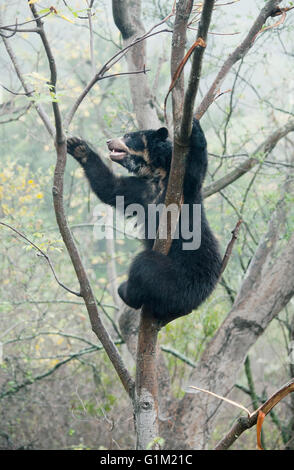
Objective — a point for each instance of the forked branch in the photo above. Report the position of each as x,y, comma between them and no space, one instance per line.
248,422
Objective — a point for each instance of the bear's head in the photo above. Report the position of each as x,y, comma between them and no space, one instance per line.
143,153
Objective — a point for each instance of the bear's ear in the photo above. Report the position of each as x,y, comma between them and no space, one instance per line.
162,133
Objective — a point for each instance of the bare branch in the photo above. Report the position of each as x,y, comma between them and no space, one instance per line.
230,247
13,389
264,149
89,12
259,262
43,115
178,355
15,92
100,74
22,112
246,423
18,30
129,321
16,24
268,10
180,69
52,84
191,92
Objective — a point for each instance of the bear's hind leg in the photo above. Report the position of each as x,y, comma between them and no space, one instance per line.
155,282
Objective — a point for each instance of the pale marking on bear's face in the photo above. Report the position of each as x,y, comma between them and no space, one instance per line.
140,153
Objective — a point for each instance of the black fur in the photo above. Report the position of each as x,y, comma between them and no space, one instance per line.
170,286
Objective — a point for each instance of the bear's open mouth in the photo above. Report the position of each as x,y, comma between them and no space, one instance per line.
118,149
117,154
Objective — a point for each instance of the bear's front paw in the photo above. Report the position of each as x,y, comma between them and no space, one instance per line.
78,149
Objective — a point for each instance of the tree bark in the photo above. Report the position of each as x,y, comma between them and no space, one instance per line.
129,322
146,391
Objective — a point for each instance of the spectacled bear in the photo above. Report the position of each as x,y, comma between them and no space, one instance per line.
173,285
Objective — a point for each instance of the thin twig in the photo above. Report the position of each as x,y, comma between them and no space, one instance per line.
42,253
227,400
100,74
236,55
53,72
230,246
177,74
16,24
265,148
40,110
17,93
12,119
178,355
17,387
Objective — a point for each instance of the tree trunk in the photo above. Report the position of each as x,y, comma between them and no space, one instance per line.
127,17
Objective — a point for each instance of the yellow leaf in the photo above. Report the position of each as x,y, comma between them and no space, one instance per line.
67,19
32,1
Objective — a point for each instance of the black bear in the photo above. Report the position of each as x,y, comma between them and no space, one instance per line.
173,285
